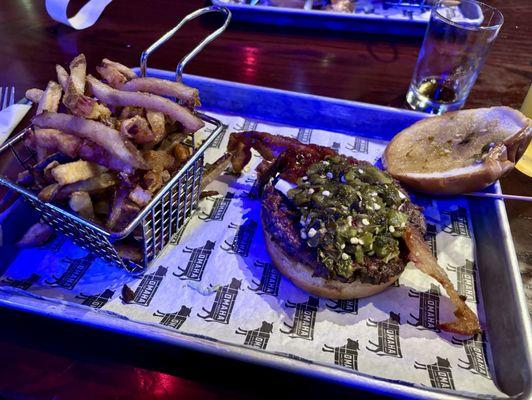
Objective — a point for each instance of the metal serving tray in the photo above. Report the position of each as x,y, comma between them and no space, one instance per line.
508,323
402,24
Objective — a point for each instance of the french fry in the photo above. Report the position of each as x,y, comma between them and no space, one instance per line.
36,235
62,76
50,98
54,140
127,72
92,185
140,196
137,129
34,95
114,97
75,171
164,87
81,203
97,132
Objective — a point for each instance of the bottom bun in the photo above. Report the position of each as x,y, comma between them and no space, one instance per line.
301,275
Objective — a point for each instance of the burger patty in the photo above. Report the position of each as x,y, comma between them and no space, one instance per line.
280,219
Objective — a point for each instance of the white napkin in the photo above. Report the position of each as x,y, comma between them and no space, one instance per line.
10,118
85,17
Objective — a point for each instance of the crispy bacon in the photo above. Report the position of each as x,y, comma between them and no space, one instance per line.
296,161
466,322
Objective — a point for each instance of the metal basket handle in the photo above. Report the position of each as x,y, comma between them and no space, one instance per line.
179,70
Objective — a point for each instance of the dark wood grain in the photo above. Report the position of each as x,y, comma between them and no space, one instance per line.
49,359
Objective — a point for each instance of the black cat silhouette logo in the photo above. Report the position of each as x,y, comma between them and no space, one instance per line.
346,355
242,240
174,320
304,135
343,306
336,146
197,262
360,145
148,286
429,309
388,336
269,280
440,374
23,284
224,302
430,238
219,138
465,276
176,239
475,352
247,125
75,271
96,300
219,208
458,225
257,337
304,319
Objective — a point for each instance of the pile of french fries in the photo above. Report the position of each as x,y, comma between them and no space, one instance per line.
106,146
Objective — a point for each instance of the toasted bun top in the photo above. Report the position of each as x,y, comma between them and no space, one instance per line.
469,149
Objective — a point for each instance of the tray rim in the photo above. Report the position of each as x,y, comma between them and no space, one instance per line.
356,380
313,13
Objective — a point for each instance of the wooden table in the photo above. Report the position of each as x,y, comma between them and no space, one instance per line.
50,359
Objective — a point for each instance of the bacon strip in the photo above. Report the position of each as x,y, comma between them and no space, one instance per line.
164,87
111,96
97,132
466,322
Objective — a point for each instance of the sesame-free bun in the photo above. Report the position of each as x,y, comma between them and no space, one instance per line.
301,275
460,151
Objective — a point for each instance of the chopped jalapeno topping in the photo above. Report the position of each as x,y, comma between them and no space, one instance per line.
349,212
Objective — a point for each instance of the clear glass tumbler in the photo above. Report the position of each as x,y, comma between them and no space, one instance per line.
458,37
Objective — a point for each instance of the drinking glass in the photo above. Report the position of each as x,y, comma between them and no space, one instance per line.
458,37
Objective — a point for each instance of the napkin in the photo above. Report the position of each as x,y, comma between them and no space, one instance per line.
10,118
86,16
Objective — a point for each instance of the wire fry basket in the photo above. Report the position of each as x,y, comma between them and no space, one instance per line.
168,211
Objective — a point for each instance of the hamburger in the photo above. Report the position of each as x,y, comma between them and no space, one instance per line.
338,227
337,232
